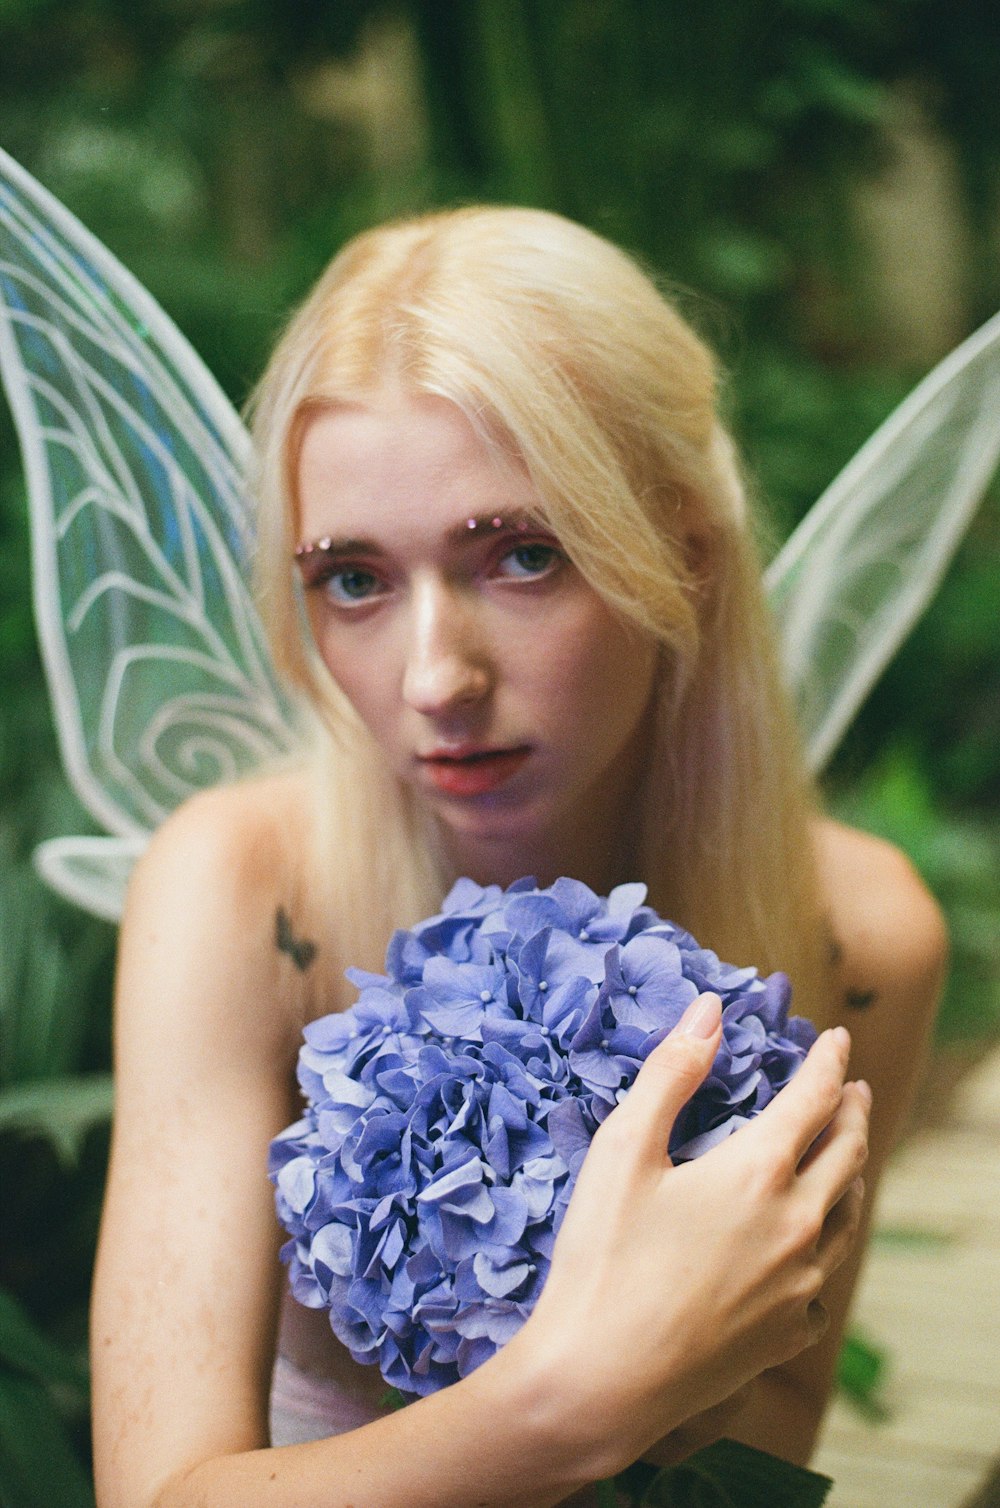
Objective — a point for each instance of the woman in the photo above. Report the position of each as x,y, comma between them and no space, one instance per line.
537,644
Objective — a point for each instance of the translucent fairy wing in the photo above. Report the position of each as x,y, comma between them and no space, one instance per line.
141,530
855,575
91,872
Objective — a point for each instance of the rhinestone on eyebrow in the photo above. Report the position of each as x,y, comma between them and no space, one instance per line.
310,545
497,522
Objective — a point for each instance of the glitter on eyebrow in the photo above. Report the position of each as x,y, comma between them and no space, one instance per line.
515,521
522,525
309,546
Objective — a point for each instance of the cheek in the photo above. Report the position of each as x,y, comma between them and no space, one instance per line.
599,667
360,668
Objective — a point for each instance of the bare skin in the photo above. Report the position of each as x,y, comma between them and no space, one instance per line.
436,638
468,659
893,947
206,1040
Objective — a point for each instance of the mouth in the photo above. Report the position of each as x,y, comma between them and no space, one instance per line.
472,771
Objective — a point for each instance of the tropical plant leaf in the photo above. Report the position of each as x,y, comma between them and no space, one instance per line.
861,1370
37,1037
911,1238
38,1465
730,1475
61,1110
24,1349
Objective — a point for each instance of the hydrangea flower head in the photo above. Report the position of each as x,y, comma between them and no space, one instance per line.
450,1108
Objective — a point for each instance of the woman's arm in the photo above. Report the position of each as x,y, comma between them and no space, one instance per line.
698,1278
643,1322
187,1275
637,1326
891,958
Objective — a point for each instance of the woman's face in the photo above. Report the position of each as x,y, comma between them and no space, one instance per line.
498,683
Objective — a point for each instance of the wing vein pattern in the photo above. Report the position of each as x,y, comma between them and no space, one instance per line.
143,533
142,536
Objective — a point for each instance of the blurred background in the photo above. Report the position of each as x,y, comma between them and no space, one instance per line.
819,181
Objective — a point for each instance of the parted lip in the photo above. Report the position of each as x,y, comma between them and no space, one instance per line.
462,753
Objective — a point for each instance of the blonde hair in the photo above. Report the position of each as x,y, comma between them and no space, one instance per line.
562,353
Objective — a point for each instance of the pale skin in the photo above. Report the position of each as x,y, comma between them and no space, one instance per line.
457,644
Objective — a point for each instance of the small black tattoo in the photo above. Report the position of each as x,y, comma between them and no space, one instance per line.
860,1000
299,949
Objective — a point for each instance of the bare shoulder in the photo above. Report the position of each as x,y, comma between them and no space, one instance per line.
889,948
207,1025
210,916
886,925
234,833
227,857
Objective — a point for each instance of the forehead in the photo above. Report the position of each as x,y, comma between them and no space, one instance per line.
409,465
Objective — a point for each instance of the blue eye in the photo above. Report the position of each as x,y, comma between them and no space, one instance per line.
527,561
352,585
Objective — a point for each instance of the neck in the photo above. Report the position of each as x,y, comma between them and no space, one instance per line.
598,852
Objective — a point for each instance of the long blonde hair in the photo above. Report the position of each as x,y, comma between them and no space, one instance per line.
562,352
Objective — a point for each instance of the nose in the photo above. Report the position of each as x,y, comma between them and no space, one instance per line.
447,660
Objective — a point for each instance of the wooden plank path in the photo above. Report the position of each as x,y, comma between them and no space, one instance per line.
930,1296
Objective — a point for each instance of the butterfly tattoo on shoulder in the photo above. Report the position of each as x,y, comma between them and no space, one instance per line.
299,949
854,999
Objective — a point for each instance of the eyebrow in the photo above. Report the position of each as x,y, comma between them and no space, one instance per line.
515,521
474,528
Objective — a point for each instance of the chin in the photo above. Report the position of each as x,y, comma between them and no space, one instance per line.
494,815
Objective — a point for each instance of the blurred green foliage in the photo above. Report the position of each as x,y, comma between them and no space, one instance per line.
861,1371
224,150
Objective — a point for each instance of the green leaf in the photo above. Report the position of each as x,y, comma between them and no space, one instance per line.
392,1398
861,1369
910,1238
853,96
605,1494
33,979
25,1350
739,262
61,1110
38,1465
730,1475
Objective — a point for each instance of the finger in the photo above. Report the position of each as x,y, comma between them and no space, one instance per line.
840,1229
669,1077
838,1157
797,1116
818,1319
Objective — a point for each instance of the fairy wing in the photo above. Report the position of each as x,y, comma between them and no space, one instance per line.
141,539
859,570
160,679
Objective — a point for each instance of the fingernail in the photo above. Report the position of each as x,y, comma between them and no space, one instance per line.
865,1090
843,1038
702,1017
859,1187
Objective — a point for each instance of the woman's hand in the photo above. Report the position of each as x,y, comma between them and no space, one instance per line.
671,1288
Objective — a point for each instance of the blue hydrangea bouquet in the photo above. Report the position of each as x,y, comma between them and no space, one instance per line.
449,1109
